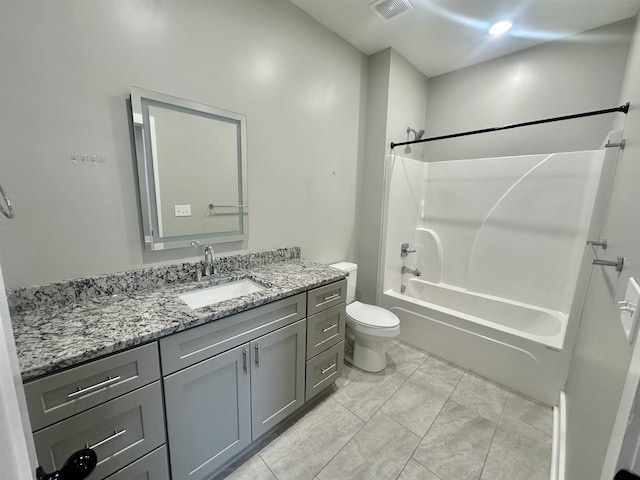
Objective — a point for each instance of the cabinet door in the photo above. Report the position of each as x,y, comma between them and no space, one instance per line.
277,376
208,413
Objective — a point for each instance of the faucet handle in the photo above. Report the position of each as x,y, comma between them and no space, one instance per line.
404,250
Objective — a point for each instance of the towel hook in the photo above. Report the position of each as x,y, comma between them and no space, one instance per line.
9,212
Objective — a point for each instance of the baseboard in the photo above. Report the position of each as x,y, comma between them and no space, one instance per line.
559,445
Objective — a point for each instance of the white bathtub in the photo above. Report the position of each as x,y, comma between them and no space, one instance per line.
514,344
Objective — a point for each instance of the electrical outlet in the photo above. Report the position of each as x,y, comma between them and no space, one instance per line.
182,210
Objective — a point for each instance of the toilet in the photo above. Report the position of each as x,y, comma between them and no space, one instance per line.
369,328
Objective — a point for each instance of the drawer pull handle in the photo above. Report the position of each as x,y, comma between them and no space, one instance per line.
244,360
331,297
115,435
325,370
97,386
330,327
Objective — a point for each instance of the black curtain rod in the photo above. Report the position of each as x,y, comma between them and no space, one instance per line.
622,108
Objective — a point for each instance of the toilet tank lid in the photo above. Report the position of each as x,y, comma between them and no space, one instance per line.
345,266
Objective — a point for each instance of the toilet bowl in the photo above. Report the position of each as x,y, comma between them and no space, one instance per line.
369,328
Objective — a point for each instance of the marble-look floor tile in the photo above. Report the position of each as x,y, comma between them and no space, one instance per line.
443,375
253,469
367,392
414,471
530,412
378,451
404,358
417,403
480,396
518,452
457,443
301,451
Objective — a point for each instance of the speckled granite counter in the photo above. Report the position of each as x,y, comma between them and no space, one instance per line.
53,335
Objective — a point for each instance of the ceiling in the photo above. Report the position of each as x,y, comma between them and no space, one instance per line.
439,36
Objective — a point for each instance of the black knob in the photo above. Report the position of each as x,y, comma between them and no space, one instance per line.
77,467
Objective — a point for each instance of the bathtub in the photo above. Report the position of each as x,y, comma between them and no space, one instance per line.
514,344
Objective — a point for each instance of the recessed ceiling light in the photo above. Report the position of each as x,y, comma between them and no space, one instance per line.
498,28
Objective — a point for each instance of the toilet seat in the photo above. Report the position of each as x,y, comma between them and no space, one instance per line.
372,320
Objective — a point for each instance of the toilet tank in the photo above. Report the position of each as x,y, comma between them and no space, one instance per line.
352,268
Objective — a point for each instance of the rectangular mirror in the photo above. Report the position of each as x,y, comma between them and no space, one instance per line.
192,171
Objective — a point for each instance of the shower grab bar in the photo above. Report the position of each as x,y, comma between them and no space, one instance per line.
622,109
618,263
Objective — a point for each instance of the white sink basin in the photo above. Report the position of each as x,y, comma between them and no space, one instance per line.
220,293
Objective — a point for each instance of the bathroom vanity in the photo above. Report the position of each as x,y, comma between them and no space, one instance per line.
219,377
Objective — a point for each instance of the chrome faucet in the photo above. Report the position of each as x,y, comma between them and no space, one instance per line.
209,257
404,250
414,271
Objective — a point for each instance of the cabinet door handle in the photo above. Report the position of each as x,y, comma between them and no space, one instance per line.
331,297
257,347
97,386
115,435
325,370
244,360
330,327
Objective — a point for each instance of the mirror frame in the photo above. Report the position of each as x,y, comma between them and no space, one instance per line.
146,180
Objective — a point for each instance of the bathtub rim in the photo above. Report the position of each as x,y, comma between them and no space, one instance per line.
555,342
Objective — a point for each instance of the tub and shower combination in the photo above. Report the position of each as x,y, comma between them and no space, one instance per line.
499,244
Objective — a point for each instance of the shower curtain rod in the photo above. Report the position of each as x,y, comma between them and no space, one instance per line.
622,108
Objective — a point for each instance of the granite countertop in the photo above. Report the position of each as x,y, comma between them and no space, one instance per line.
53,337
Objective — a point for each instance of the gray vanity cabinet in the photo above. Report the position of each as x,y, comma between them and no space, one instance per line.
277,376
208,409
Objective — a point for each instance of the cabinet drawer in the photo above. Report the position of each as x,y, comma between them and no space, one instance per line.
324,369
120,431
56,397
326,296
152,466
325,329
192,346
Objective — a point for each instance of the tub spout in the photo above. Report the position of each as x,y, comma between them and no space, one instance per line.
413,271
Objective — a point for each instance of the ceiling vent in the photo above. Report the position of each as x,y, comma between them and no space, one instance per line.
388,9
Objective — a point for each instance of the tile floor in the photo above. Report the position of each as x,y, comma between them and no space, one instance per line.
421,418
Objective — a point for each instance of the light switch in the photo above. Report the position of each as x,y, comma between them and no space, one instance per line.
629,311
183,210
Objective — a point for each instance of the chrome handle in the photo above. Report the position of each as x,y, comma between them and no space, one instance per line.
325,370
330,327
115,435
331,297
97,386
257,348
595,243
609,263
626,306
244,360
404,250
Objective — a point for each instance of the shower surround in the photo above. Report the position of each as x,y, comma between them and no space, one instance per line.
500,244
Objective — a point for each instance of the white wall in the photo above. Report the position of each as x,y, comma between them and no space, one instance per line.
581,73
64,84
397,98
602,354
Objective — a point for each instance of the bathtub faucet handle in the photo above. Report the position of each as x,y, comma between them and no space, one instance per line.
404,250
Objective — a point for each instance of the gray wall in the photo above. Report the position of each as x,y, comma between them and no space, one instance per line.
583,72
64,84
397,98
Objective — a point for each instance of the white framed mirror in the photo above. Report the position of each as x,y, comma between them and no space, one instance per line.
192,171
